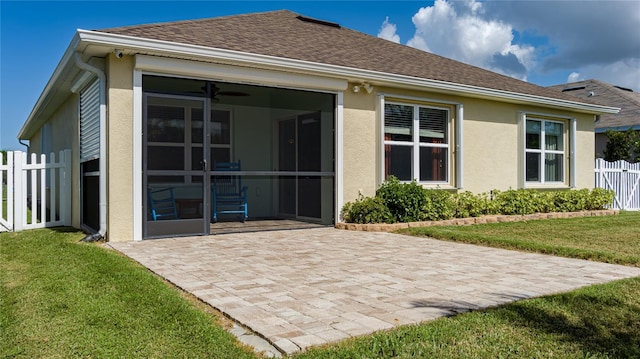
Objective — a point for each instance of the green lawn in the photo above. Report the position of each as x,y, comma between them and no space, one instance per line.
62,298
611,239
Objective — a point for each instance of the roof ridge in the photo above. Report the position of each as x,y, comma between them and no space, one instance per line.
204,19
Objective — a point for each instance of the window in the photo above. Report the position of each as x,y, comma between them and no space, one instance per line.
175,136
416,142
544,151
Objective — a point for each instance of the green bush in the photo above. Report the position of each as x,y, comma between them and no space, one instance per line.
521,201
410,202
600,198
367,210
406,201
439,205
570,201
472,205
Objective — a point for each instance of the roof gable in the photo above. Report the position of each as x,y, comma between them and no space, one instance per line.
283,34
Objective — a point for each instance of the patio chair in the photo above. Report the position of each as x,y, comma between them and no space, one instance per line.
162,203
228,194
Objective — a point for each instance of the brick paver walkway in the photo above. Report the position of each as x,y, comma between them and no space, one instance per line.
300,288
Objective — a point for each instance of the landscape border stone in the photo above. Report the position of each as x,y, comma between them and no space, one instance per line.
391,227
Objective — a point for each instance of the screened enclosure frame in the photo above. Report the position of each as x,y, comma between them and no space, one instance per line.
247,123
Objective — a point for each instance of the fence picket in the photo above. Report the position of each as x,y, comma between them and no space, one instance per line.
52,193
20,195
622,177
46,182
6,178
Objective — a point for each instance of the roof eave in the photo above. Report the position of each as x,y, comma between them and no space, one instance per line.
617,128
102,43
134,44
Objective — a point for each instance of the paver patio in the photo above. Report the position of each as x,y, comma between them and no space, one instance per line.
300,288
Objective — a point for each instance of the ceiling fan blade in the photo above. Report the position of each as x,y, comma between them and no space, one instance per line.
232,93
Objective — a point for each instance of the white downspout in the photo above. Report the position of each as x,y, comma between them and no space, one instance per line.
102,161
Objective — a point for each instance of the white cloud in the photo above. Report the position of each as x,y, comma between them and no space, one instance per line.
574,77
388,31
462,34
579,32
596,39
625,73
540,40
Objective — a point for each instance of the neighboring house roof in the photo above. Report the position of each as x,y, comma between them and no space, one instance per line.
607,95
286,41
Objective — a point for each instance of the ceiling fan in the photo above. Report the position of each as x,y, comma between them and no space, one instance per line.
214,91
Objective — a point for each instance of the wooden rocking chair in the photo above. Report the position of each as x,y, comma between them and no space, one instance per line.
162,204
228,194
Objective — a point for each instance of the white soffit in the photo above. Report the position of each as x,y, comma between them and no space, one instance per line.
237,73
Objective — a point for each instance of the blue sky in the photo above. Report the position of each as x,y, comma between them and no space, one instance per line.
542,42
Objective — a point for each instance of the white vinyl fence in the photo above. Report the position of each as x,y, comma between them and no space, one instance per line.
35,190
622,177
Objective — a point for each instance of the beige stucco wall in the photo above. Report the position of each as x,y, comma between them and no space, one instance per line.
360,145
63,134
585,161
120,148
491,144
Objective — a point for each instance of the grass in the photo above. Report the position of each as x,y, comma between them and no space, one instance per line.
611,239
61,298
5,203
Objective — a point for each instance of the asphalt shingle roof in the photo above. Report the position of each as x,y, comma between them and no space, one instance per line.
283,34
605,94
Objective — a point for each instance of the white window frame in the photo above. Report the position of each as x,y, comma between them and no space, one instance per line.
569,151
416,144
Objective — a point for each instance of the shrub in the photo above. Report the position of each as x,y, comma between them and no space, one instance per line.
406,201
367,210
546,203
409,202
521,201
439,205
471,205
600,198
570,201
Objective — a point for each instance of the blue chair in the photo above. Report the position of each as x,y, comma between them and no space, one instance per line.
162,203
228,194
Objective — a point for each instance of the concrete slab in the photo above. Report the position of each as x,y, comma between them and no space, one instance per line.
300,288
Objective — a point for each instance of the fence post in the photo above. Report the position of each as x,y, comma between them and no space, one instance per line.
20,199
53,188
599,177
6,217
65,188
43,189
11,197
